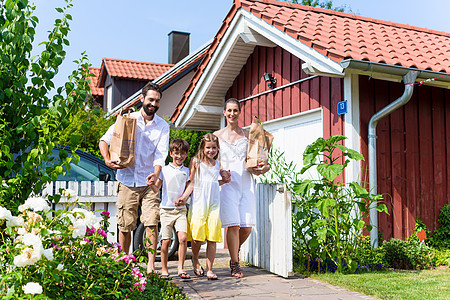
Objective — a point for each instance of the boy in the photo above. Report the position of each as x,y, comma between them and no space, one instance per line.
174,177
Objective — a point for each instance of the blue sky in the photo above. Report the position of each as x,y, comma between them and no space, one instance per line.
137,29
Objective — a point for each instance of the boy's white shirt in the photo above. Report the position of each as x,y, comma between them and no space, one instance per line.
174,183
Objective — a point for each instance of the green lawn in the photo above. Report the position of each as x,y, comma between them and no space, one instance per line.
423,284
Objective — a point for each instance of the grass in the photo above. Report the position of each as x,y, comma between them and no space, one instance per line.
422,284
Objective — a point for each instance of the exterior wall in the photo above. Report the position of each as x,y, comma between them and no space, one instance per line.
322,92
124,88
172,95
413,153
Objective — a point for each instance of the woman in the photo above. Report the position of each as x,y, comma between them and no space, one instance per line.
237,198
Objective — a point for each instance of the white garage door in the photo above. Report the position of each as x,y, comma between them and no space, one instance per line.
293,133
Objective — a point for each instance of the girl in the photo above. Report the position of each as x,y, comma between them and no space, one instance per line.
203,217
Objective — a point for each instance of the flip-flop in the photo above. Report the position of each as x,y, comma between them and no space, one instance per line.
184,275
164,276
212,277
198,272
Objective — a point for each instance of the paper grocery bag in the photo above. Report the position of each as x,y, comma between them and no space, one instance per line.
123,142
259,143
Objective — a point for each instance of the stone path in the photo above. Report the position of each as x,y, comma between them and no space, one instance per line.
257,283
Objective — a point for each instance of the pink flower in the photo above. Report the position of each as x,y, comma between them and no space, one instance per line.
86,240
105,214
102,233
137,273
90,231
132,257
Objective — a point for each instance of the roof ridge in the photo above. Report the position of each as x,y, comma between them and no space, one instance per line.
350,15
135,61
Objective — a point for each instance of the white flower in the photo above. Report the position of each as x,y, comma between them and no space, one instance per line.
48,253
88,216
32,288
60,267
5,214
14,221
78,228
28,257
31,239
21,231
36,204
69,193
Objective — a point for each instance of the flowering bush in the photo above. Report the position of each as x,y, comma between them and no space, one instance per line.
63,254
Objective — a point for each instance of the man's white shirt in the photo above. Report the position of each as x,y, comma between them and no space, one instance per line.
152,144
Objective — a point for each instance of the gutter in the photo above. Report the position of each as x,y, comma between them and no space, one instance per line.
409,76
408,80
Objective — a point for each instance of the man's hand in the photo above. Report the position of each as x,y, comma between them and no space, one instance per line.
151,179
115,164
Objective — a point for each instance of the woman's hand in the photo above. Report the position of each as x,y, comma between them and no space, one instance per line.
261,169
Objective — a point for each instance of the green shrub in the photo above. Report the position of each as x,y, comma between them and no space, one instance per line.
193,137
365,255
89,124
401,254
441,236
440,257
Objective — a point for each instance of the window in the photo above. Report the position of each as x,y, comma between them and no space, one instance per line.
109,98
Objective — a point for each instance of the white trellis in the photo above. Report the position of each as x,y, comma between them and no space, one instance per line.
98,196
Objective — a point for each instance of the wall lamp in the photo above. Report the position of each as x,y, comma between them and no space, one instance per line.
270,80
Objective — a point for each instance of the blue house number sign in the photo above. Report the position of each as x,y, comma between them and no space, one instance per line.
342,107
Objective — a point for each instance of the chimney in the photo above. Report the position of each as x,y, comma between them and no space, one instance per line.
178,46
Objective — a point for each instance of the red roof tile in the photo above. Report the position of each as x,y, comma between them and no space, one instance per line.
131,69
95,90
341,36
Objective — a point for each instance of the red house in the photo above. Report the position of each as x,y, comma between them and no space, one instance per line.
318,58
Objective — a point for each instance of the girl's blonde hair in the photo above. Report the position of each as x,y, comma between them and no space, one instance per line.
209,137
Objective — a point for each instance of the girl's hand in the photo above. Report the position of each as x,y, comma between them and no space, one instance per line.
226,175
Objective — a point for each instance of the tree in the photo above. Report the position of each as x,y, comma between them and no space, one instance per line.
31,121
89,123
328,4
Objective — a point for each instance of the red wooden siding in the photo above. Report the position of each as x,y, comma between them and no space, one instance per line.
413,154
322,92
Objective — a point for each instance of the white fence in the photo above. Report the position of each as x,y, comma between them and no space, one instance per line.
270,243
98,196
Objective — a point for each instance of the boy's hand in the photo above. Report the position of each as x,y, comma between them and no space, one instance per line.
180,202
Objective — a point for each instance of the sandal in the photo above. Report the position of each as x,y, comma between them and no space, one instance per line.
198,272
212,277
164,276
236,270
184,275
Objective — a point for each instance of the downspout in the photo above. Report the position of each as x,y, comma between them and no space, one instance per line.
408,80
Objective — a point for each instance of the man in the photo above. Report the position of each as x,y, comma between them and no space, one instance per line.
152,141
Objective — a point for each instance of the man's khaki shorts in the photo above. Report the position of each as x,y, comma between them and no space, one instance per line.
172,217
128,199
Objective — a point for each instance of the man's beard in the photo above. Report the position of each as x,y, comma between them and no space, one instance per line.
148,111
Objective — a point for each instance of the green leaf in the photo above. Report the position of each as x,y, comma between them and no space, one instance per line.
335,138
359,191
58,9
34,153
324,206
330,172
75,139
382,208
8,92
